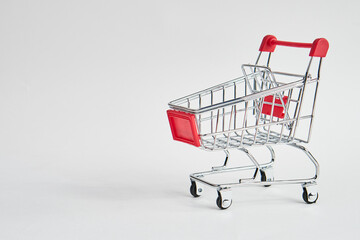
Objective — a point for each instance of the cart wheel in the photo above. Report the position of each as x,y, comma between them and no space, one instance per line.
195,190
223,201
267,176
310,197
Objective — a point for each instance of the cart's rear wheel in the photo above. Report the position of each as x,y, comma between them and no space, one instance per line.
266,176
223,201
310,197
195,190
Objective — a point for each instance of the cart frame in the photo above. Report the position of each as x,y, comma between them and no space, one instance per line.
266,113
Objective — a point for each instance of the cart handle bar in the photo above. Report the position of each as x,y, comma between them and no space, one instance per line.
318,48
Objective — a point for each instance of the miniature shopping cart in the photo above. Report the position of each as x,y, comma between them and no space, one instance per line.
263,107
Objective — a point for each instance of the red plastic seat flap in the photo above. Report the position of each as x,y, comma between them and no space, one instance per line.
278,110
183,127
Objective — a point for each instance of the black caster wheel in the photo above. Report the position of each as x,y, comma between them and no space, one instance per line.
223,202
195,190
309,197
265,178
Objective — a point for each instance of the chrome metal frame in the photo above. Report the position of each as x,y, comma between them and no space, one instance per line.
257,167
229,116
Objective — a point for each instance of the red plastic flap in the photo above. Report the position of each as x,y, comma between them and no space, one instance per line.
183,127
278,110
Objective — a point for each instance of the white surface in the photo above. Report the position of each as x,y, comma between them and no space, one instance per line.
85,146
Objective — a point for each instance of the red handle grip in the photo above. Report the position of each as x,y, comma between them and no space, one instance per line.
318,48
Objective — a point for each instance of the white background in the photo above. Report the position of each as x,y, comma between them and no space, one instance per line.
85,147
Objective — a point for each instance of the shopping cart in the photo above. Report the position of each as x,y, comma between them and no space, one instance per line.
263,107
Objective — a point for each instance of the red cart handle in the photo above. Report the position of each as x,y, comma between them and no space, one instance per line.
318,48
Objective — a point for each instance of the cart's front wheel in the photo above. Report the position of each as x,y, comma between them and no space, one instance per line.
309,196
224,200
195,190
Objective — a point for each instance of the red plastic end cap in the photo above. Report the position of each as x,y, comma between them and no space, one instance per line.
267,44
319,48
183,127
